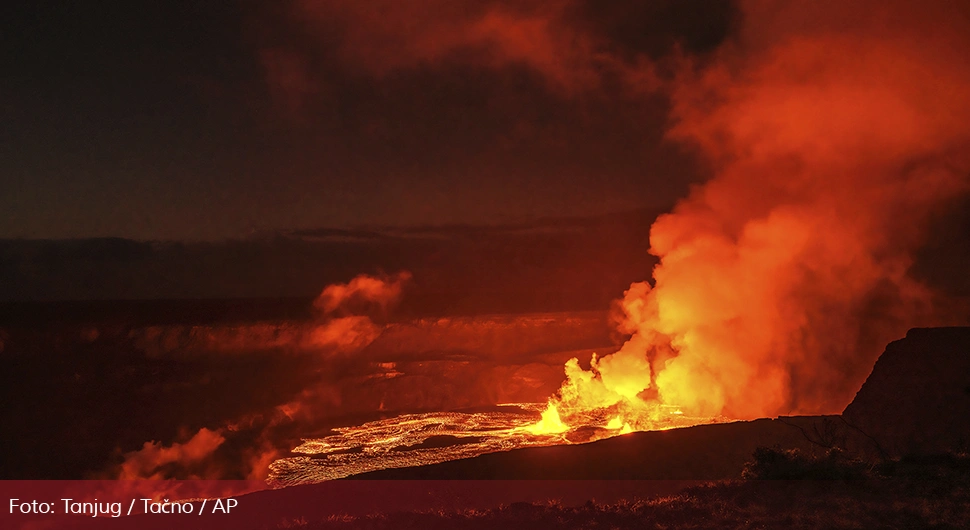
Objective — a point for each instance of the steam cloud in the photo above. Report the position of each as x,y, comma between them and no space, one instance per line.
835,130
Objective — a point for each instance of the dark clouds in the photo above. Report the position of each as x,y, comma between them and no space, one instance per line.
554,264
188,121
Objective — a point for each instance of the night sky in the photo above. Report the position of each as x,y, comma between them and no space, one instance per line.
194,121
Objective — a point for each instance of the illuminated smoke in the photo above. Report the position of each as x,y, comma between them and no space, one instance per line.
150,461
347,310
344,323
834,131
362,292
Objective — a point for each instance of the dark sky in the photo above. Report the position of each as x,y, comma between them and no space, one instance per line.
185,120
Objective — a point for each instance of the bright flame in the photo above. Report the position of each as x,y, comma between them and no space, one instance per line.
549,423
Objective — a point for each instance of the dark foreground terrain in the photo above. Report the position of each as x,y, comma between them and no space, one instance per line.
778,488
912,493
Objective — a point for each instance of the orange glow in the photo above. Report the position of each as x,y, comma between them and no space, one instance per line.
550,422
832,138
408,440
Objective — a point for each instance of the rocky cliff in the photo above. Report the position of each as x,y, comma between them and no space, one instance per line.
917,398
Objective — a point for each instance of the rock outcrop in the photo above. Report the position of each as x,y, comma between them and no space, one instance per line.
917,398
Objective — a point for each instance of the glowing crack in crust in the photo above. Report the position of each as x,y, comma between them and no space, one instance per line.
429,438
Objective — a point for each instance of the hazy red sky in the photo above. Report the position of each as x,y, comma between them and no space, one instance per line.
205,120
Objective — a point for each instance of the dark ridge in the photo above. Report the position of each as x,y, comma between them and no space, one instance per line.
915,400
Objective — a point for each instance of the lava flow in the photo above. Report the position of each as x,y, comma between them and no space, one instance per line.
420,439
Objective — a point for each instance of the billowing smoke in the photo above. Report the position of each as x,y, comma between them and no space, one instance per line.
834,131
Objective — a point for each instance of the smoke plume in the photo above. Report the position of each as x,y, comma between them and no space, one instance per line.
834,131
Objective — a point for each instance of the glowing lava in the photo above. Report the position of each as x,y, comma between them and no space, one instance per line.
429,438
550,422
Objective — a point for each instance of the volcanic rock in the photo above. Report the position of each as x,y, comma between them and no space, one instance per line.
917,398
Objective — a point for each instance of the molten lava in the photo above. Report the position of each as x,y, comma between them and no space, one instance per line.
429,438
